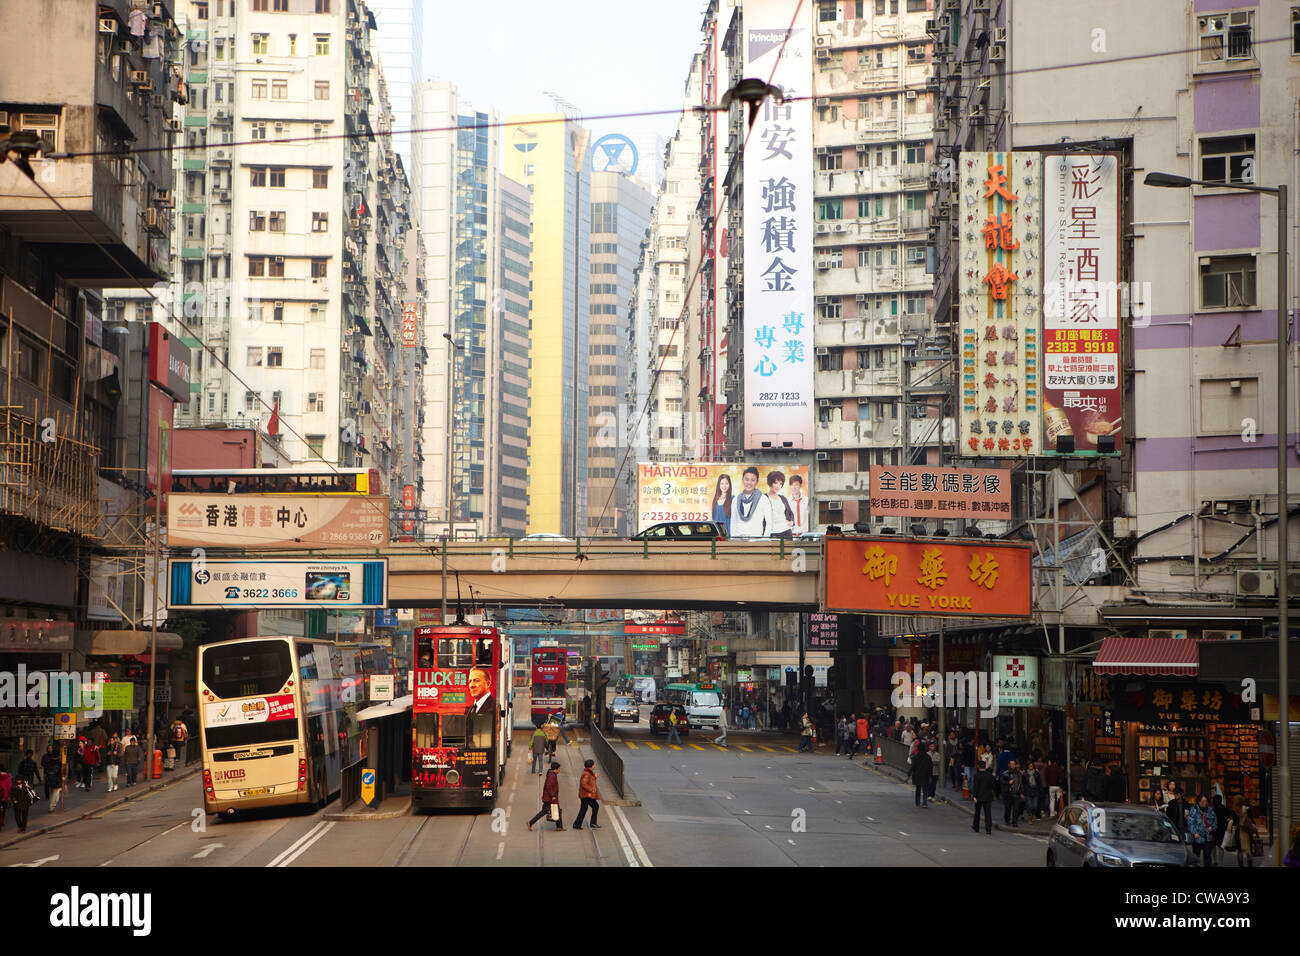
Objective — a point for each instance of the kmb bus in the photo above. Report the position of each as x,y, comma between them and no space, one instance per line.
459,733
278,719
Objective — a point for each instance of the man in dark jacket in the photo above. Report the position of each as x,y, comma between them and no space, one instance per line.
550,795
1013,794
1177,811
981,791
919,773
52,767
27,769
1116,786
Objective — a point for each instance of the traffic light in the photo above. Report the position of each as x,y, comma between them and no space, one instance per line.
808,671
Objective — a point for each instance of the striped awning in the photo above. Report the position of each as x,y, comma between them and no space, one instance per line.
1153,656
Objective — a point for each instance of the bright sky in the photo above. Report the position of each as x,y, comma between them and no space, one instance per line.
602,56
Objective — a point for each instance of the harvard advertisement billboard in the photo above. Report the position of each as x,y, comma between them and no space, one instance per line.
751,500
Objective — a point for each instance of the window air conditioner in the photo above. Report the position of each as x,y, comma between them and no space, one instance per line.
108,25
823,456
834,506
1168,635
1212,635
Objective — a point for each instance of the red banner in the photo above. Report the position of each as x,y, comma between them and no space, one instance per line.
410,326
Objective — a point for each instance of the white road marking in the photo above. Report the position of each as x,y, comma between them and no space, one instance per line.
942,850
302,845
871,819
747,811
904,832
631,835
34,863
501,849
789,841
622,840
207,851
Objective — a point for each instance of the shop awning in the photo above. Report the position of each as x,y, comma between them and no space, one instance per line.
374,712
110,643
1152,656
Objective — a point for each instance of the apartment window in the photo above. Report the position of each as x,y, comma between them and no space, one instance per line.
261,44
275,267
317,358
322,6
832,361
915,303
831,160
279,89
1228,159
830,209
316,445
220,54
259,89
315,401
322,88
320,222
914,201
255,312
315,313
1295,31
833,463
257,267
1225,37
675,269
322,44
277,221
914,153
916,54
828,411
212,401
259,6
318,130
865,205
829,310
274,358
257,176
319,268
916,6
915,255
256,221
826,10
255,357
828,114
277,177
1226,403
1228,282
259,131
277,312
281,6
320,178
252,400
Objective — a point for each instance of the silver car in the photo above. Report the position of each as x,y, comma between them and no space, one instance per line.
1115,835
626,708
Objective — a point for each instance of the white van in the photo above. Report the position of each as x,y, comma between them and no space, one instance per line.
703,703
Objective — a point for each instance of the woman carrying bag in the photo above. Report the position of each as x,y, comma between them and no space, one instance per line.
1250,846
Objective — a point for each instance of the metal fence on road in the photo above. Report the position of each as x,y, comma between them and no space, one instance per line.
610,762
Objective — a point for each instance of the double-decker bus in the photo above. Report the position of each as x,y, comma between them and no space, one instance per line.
458,736
550,682
278,719
277,481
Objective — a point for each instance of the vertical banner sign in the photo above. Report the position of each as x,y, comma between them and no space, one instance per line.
1081,302
1000,275
410,325
721,133
778,345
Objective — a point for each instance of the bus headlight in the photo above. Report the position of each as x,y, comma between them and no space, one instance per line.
453,777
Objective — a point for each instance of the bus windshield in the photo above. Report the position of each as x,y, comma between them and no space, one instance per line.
707,698
247,670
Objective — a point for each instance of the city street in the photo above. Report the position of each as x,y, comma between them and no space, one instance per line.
755,803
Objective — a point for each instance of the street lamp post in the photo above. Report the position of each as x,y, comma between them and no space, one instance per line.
1283,834
453,348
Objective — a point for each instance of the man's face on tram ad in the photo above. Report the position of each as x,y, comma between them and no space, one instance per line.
478,683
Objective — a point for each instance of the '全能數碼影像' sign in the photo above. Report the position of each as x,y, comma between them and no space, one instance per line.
922,491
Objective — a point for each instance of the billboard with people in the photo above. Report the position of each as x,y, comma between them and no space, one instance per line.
750,500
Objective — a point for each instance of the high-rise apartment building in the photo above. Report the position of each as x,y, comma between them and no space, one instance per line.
399,50
507,364
620,212
548,152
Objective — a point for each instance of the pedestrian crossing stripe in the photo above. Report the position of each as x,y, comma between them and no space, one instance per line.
630,744
697,746
744,748
768,749
675,747
652,746
791,749
718,747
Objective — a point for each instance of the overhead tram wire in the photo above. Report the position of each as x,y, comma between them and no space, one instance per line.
638,114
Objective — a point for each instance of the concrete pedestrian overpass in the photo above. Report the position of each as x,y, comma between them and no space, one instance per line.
772,575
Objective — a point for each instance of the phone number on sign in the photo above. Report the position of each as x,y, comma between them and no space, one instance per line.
674,516
235,593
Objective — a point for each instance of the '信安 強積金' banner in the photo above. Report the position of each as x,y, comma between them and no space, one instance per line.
778,326
1081,304
1000,278
752,501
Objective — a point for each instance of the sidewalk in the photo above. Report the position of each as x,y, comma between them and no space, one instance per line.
78,804
394,805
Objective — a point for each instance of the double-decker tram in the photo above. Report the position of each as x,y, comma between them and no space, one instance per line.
278,719
459,731
277,481
550,680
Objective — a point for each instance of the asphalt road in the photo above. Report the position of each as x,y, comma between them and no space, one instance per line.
755,803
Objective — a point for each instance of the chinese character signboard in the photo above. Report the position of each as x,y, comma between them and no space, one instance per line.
1017,677
1180,702
716,491
1000,276
929,578
1081,301
410,325
922,491
778,328
275,521
229,584
823,632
